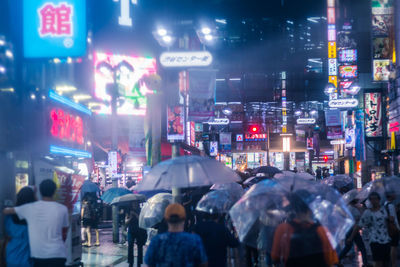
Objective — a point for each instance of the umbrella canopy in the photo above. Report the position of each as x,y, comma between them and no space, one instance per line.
269,171
339,182
216,202
232,188
270,202
89,187
302,175
381,186
114,192
185,172
153,210
350,196
253,180
128,198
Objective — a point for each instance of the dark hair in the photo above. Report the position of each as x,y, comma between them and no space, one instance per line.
374,194
25,195
298,201
175,219
47,188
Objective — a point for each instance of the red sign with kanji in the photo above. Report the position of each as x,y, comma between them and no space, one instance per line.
66,127
56,20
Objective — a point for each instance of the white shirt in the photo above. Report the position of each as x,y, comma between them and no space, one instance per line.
45,219
375,222
392,212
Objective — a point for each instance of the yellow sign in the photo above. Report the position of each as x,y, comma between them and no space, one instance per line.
331,49
393,141
333,80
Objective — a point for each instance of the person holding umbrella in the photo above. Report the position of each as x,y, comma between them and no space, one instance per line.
301,241
135,234
176,248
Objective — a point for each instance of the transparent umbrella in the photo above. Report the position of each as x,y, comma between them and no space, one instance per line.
216,202
339,182
153,210
185,172
232,188
381,186
270,202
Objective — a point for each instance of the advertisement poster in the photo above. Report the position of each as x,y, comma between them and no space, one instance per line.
300,134
331,49
348,55
201,95
175,125
381,25
381,48
68,189
310,145
332,117
346,40
213,148
382,6
381,70
348,71
350,138
334,132
359,136
373,114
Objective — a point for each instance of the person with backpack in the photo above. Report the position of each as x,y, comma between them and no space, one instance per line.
89,216
301,241
375,220
392,212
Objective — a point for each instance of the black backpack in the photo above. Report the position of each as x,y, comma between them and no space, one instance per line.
305,247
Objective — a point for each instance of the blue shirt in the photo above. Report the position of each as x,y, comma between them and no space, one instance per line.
175,250
17,250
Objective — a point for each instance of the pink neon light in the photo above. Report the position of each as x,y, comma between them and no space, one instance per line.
55,20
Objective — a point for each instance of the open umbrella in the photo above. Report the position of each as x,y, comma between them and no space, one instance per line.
128,198
301,175
269,171
254,180
153,210
185,172
339,182
350,196
114,192
216,202
232,188
381,186
270,202
89,187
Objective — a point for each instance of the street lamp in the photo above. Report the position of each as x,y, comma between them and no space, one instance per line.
164,37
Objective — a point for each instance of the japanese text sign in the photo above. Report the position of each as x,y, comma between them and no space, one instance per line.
332,66
66,127
373,114
331,49
186,59
54,28
343,103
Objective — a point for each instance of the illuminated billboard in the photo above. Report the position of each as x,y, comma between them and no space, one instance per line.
54,28
348,55
132,80
350,71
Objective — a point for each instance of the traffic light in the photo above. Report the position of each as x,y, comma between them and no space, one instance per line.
325,158
254,129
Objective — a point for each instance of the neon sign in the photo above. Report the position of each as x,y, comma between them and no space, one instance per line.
125,17
56,20
70,152
343,103
66,127
255,137
306,121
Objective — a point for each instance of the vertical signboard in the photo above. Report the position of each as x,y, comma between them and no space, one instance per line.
54,28
382,38
175,125
113,163
373,114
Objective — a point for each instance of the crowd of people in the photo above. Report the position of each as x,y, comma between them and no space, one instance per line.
37,230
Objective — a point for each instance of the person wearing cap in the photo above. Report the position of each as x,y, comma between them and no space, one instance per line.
176,248
391,210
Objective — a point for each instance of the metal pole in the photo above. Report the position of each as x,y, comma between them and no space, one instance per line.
114,147
268,162
176,192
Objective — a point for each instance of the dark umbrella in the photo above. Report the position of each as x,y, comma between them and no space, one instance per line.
268,170
89,187
114,192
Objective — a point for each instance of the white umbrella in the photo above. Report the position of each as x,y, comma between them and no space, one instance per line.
185,172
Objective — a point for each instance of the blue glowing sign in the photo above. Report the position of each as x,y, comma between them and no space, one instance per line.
70,152
63,100
54,28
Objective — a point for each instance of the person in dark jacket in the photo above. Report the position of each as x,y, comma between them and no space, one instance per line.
135,234
216,239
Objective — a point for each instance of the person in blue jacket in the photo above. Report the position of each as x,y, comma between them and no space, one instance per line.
17,250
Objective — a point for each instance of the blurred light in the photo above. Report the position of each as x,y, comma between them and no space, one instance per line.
88,143
208,37
162,32
9,54
167,39
49,158
221,21
63,100
69,152
2,69
43,97
297,112
313,112
227,111
65,88
33,96
7,90
56,60
235,79
329,89
2,42
69,60
354,89
286,144
206,30
81,97
89,40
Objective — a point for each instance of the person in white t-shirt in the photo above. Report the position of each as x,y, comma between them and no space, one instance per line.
47,227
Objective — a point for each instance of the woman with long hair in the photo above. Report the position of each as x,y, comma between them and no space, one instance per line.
17,250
